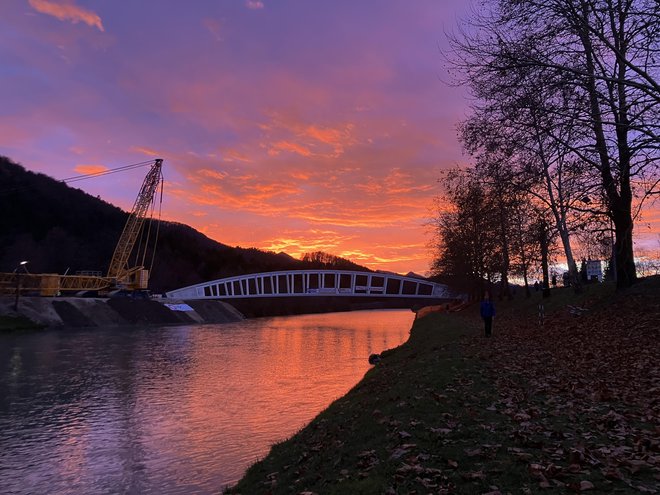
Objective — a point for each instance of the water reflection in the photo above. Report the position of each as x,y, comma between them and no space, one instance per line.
176,409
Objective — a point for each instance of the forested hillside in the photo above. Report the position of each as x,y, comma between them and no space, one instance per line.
59,228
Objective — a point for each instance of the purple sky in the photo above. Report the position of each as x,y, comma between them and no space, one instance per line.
285,125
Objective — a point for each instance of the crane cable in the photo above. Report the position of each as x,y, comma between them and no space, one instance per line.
77,178
109,171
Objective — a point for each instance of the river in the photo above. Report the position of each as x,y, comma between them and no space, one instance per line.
172,410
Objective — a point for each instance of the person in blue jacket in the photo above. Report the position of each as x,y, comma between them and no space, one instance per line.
487,313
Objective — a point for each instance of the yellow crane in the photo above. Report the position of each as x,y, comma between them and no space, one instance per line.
136,277
120,274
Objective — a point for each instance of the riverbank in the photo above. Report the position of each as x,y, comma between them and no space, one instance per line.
571,404
42,312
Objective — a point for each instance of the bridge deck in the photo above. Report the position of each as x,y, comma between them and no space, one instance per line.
309,283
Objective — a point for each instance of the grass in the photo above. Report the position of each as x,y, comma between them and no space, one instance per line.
17,323
437,415
592,296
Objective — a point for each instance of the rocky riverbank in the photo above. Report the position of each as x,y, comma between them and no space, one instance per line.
99,312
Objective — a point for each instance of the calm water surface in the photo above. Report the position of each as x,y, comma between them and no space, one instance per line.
174,409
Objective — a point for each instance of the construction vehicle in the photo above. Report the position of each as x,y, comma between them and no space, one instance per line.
120,275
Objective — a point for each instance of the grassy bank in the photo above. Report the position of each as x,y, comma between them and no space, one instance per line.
572,404
17,323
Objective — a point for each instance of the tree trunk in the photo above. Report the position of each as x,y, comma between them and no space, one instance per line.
504,283
574,276
523,258
626,272
620,203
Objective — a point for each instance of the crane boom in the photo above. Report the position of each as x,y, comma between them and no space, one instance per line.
119,269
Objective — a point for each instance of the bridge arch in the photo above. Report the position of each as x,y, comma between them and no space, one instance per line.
313,283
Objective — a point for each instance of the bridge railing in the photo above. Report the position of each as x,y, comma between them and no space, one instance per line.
310,283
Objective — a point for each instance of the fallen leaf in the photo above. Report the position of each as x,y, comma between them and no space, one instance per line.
586,485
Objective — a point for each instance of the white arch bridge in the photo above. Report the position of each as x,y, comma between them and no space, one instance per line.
314,283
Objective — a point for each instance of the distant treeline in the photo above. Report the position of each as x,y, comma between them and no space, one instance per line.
59,229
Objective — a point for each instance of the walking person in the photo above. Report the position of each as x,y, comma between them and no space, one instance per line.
487,313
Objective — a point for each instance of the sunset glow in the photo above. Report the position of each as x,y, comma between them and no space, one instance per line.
285,125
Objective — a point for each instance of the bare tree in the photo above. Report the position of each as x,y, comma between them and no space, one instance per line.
468,250
522,239
603,55
513,135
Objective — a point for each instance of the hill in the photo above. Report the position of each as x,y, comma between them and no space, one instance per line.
59,228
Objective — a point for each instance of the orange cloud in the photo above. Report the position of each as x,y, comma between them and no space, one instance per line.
396,182
320,197
359,256
230,155
329,136
90,169
237,191
276,148
67,11
297,243
380,236
357,248
327,141
337,138
145,151
368,207
213,174
303,176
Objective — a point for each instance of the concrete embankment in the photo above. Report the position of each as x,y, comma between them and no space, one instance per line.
122,311
97,312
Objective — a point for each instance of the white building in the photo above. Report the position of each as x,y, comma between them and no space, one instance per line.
594,270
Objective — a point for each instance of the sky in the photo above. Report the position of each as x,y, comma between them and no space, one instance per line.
286,125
